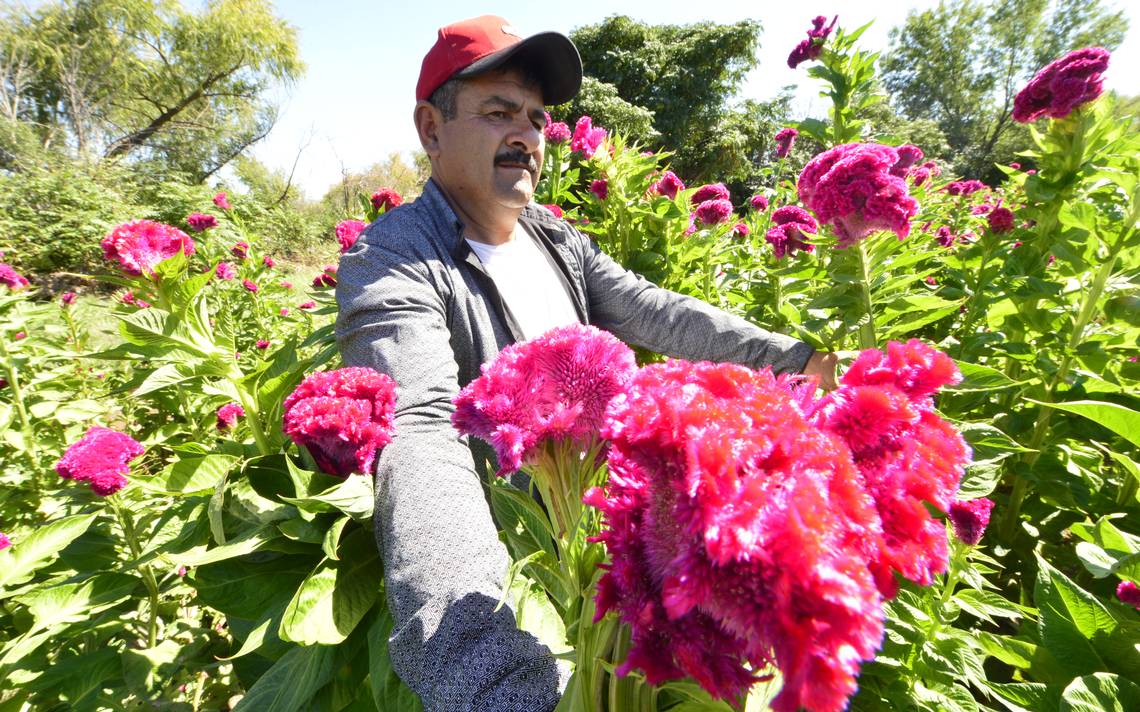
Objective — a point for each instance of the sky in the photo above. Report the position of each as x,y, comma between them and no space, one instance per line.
353,107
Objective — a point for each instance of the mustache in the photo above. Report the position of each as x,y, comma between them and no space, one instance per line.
517,156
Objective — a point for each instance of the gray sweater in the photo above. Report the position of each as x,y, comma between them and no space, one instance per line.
416,304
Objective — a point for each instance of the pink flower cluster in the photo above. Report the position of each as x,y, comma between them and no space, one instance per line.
909,154
587,138
668,185
970,519
228,415
759,202
12,279
225,270
713,212
326,279
5,542
222,201
555,132
348,232
200,222
139,245
1062,86
812,47
1000,219
851,187
101,459
342,417
1129,593
600,188
790,226
711,191
67,299
240,250
555,209
546,390
385,199
785,139
965,187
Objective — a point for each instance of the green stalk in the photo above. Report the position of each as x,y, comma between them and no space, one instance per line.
148,575
13,375
867,329
252,417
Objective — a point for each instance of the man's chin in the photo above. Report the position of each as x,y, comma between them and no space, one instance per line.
515,196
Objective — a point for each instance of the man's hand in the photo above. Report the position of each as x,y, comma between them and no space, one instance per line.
822,365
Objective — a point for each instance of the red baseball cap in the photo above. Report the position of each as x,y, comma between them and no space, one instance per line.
471,47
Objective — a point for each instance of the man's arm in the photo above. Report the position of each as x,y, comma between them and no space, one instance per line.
443,562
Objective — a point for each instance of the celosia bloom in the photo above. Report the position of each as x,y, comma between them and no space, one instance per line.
200,222
981,209
385,199
130,299
139,245
228,415
262,344
1128,592
1062,86
812,47
347,232
945,237
284,311
711,191
587,138
713,212
909,155
101,459
740,230
12,279
269,262
67,298
557,210
5,542
327,278
224,270
307,305
1000,219
549,389
668,185
286,284
970,519
600,188
964,187
555,131
919,175
342,417
240,250
785,139
737,533
787,234
759,202
222,201
250,285
851,187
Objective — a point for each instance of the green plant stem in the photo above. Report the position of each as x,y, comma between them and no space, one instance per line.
13,375
149,581
252,418
867,328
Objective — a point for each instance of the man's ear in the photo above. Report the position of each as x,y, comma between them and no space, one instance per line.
428,120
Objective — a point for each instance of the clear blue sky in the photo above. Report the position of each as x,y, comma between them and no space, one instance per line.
354,105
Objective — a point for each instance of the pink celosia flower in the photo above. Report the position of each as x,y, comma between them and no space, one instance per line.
224,270
228,415
1051,260
269,262
713,212
851,187
668,185
740,230
284,311
711,191
385,199
327,278
3,382
1128,592
587,138
19,336
307,305
790,225
812,47
67,298
1031,172
200,222
785,139
262,344
347,232
931,281
139,245
981,209
1015,165
557,210
342,417
547,390
555,131
600,188
181,573
12,279
222,201
970,519
5,542
1062,86
1016,245
737,533
919,175
759,202
286,285
240,250
130,299
964,187
909,154
250,286
1000,219
945,237
101,459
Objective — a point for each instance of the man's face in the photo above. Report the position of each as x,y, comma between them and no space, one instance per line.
491,151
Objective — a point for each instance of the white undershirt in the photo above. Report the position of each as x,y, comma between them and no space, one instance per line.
528,281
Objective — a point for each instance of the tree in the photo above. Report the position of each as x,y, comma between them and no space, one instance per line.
961,64
393,172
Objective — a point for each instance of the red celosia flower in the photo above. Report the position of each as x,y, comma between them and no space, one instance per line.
101,459
228,415
19,336
555,131
250,285
549,389
712,191
668,185
67,298
222,201
909,154
1000,219
600,188
385,199
1128,592
347,232
785,139
970,519
964,187
1062,86
713,212
851,187
790,225
342,417
139,245
199,222
269,262
587,138
262,344
737,534
557,210
759,202
224,270
240,250
812,47
12,279
327,278
5,542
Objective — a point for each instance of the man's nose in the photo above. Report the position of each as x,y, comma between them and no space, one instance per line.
525,136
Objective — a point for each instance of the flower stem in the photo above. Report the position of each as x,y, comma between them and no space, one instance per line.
149,581
867,328
13,374
252,418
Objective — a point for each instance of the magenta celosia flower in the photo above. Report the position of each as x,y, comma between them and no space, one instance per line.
555,131
970,519
5,542
269,262
741,230
326,278
919,175
342,417
785,139
1000,219
1062,86
200,222
67,298
851,187
130,299
240,250
228,415
713,212
981,209
812,47
224,270
284,311
12,279
668,185
1128,592
307,305
737,534
931,280
250,286
600,188
945,237
19,336
586,137
556,209
759,202
711,191
262,344
285,284
547,390
964,187
347,232
385,199
139,245
790,226
909,154
222,201
101,459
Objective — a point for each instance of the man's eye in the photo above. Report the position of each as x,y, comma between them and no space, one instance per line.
500,115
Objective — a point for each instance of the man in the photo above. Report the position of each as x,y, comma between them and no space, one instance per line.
435,288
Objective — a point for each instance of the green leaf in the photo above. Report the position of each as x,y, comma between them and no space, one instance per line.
247,543
1120,420
976,378
247,589
1011,651
191,475
148,670
1131,468
332,538
352,496
1101,692
74,678
986,604
19,561
292,681
1029,696
74,602
388,691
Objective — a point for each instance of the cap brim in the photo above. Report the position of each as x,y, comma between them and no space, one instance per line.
551,56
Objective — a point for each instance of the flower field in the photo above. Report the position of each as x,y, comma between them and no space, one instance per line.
186,510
